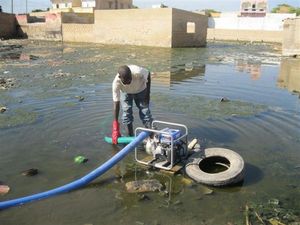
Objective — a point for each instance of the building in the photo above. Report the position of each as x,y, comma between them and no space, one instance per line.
88,4
113,4
159,6
96,4
65,4
254,8
291,37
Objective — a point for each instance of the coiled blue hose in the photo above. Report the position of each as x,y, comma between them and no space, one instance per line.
80,182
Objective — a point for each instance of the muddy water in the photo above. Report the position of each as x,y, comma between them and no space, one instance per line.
60,105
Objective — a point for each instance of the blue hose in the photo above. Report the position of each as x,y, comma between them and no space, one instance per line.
80,182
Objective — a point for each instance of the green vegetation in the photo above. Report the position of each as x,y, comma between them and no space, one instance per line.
208,12
285,8
18,117
40,10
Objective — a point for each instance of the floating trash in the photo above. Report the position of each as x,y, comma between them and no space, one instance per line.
80,98
224,99
4,189
30,172
80,159
3,109
144,186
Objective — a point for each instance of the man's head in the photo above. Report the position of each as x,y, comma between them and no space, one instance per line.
125,74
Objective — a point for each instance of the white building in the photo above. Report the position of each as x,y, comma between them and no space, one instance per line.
254,8
88,4
97,4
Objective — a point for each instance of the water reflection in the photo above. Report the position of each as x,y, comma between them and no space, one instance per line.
289,75
17,56
177,74
259,122
254,69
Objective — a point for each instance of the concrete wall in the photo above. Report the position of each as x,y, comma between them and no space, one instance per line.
113,4
188,29
48,30
244,35
291,37
7,25
78,32
74,10
149,27
165,27
79,18
232,21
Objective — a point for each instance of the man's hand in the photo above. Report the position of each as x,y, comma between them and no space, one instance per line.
115,132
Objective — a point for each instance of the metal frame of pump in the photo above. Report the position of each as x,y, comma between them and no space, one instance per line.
167,146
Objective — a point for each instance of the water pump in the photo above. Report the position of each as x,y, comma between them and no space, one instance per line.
167,145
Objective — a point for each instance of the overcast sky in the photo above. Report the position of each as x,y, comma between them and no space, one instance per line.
219,5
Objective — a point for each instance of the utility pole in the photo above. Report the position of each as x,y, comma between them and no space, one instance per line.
12,6
26,6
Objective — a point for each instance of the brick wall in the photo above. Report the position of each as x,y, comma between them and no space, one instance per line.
50,29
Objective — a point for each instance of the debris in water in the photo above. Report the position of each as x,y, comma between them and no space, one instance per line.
187,181
31,172
207,191
143,197
143,186
274,201
224,99
80,98
178,202
192,144
4,189
197,146
3,109
274,221
80,159
247,215
6,83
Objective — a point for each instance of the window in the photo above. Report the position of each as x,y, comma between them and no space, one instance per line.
190,27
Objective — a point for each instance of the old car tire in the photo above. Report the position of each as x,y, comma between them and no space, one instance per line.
234,172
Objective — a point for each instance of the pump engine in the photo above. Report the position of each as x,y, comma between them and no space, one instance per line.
167,146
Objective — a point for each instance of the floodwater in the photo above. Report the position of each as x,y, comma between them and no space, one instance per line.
59,105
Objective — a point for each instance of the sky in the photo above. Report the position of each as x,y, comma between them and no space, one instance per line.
219,5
